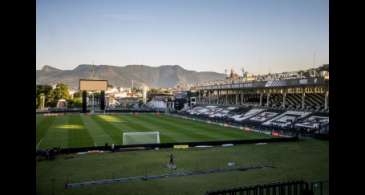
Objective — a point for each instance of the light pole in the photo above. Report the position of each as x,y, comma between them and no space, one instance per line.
93,100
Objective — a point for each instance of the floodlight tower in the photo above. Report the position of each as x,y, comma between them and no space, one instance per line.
144,96
243,73
132,89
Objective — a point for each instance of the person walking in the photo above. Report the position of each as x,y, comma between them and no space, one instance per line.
171,164
171,159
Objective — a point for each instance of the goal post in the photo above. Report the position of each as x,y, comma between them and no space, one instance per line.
148,137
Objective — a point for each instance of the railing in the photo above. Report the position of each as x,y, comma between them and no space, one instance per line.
219,143
320,187
280,188
265,84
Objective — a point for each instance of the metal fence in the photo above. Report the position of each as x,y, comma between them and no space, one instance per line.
320,187
280,188
107,147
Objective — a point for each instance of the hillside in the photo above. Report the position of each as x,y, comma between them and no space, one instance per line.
122,76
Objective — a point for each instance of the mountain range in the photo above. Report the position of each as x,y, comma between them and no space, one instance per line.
164,76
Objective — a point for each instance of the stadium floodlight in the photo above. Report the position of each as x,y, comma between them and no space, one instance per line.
149,137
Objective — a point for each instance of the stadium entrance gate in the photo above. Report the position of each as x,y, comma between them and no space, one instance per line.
86,85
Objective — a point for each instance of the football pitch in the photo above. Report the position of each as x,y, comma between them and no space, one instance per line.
306,159
79,130
303,160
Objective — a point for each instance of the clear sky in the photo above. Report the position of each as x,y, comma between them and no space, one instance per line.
204,35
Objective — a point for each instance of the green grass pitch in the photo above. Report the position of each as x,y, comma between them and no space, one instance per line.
307,160
78,130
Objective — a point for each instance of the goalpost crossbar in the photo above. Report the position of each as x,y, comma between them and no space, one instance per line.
143,137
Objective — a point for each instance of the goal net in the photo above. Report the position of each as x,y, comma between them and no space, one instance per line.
151,137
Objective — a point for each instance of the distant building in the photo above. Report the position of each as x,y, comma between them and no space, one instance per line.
233,76
111,101
182,87
325,74
129,101
112,90
249,77
157,105
160,96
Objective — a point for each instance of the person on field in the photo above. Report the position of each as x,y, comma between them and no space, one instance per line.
171,163
171,159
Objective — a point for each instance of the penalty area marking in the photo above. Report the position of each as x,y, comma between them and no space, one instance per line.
174,174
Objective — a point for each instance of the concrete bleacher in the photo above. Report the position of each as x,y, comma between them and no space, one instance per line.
313,122
263,118
286,119
252,112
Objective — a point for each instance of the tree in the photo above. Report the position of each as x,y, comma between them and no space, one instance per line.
77,94
36,102
60,92
154,90
39,100
75,103
136,90
46,90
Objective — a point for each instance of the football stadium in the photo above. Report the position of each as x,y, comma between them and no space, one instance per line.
185,97
221,137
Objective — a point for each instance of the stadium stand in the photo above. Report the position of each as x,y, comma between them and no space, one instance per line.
314,123
250,113
286,119
263,118
157,105
315,101
293,101
276,100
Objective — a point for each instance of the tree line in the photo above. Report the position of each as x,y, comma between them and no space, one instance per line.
52,95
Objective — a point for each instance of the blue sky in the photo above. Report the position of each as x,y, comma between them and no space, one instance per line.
204,35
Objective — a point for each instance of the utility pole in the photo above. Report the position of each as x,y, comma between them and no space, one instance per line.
314,64
243,73
93,77
93,70
93,104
